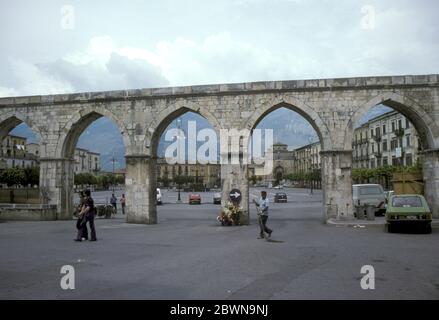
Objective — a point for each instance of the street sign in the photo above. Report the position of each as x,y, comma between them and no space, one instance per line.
235,195
398,152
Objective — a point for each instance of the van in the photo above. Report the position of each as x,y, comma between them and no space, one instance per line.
369,194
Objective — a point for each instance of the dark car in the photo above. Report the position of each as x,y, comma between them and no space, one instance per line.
280,197
408,210
217,198
194,198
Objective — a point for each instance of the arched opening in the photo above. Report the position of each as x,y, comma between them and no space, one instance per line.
185,149
389,141
296,170
93,150
19,167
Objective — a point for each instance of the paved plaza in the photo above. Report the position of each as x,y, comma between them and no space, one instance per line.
187,255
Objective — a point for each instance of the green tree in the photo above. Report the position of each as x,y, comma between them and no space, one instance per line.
180,180
120,179
105,180
13,177
79,179
31,176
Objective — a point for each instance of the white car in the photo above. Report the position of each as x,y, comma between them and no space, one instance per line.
369,194
159,196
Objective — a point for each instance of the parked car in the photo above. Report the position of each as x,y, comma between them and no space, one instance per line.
159,196
217,198
369,194
280,197
194,198
388,195
408,209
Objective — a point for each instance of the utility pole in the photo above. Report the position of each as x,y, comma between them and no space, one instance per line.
113,160
178,156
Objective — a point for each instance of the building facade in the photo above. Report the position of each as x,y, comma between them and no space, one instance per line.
208,175
15,153
307,158
389,139
86,161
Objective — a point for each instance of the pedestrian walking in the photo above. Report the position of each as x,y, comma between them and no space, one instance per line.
113,202
83,235
122,203
88,213
263,205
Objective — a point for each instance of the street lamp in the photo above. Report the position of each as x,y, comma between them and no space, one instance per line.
114,161
178,157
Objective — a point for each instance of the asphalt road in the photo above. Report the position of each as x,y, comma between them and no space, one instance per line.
187,255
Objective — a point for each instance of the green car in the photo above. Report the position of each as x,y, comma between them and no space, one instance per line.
408,209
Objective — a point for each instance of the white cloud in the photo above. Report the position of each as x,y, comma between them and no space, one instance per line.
33,81
8,92
97,67
284,40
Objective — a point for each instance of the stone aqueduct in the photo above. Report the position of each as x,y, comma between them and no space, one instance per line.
332,106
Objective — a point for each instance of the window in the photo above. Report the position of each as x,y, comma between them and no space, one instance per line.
407,140
393,144
393,126
385,161
372,163
408,160
407,202
399,123
377,131
370,190
384,129
407,123
394,161
384,145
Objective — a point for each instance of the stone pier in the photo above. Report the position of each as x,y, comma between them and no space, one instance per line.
431,180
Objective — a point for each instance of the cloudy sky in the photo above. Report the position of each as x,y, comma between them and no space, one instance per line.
70,46
50,46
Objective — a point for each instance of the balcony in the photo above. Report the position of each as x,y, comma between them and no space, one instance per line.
364,157
377,138
377,154
399,132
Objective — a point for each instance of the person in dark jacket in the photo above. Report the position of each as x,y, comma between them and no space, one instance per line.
84,234
88,212
113,202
